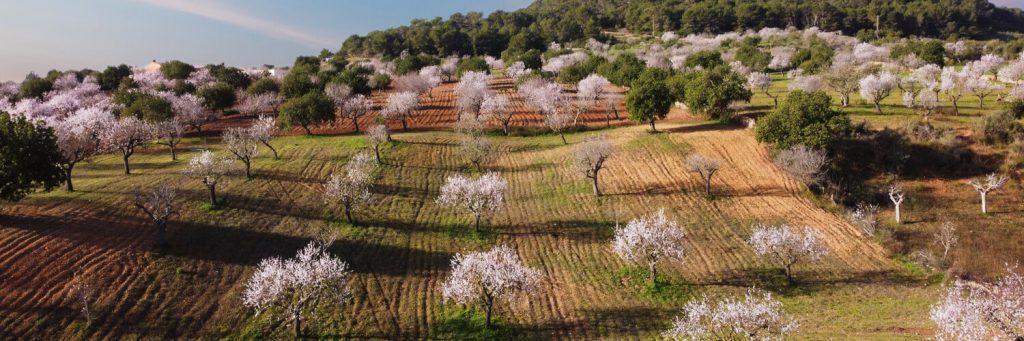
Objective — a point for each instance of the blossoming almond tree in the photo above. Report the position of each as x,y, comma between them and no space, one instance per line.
484,277
590,157
243,145
78,138
296,287
704,166
124,136
263,131
480,196
877,87
210,169
990,183
159,206
498,107
757,316
786,246
648,240
377,134
355,107
400,106
351,187
762,81
982,311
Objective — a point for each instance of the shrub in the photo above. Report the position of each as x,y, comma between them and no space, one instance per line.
1001,127
803,118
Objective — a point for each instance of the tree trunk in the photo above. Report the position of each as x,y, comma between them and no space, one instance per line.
845,100
616,111
348,214
981,102
653,130
788,269
161,234
477,223
297,323
355,123
127,169
248,166
597,191
174,154
67,177
405,125
272,150
306,128
489,305
956,109
707,186
878,107
504,125
984,202
653,272
213,194
898,218
376,151
562,135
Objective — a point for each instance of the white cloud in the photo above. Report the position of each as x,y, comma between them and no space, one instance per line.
217,11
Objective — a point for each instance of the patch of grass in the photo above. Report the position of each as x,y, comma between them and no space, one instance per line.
664,290
460,323
213,208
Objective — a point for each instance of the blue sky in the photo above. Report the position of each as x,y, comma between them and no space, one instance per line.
39,35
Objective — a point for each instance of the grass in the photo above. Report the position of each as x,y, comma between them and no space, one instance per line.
401,247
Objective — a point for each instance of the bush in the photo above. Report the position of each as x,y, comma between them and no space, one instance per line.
414,63
182,87
380,81
1000,128
623,71
34,87
710,92
648,100
471,64
218,96
310,109
144,106
176,69
803,118
574,73
1016,108
262,86
705,59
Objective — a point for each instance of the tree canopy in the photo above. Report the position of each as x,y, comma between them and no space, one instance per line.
29,157
803,118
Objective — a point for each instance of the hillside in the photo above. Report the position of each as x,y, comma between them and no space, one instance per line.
401,255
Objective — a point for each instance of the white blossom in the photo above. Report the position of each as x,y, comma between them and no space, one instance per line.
648,240
787,246
483,277
756,317
480,196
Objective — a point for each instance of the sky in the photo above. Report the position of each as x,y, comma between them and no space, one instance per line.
40,35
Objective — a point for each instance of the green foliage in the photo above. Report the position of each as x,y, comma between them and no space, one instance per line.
931,51
677,86
380,81
262,86
310,109
814,58
218,96
624,70
1015,108
574,73
706,59
708,17
414,63
356,79
182,87
145,107
753,58
29,157
663,290
112,76
489,42
471,64
709,92
34,87
648,100
464,323
1001,127
803,118
176,69
298,81
230,75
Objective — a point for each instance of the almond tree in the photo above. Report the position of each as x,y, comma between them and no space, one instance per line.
263,130
589,91
169,133
257,104
590,157
400,106
804,163
762,81
982,311
210,169
786,246
946,237
296,287
611,104
981,87
877,87
413,82
756,317
990,183
355,107
377,134
497,106
896,195
124,136
844,79
351,187
705,167
480,196
648,240
806,83
558,121
79,137
190,111
953,83
159,205
338,93
241,143
472,89
86,287
476,149
483,277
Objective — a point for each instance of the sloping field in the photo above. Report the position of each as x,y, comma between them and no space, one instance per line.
401,252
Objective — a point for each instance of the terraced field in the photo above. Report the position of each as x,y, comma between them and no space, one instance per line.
400,253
